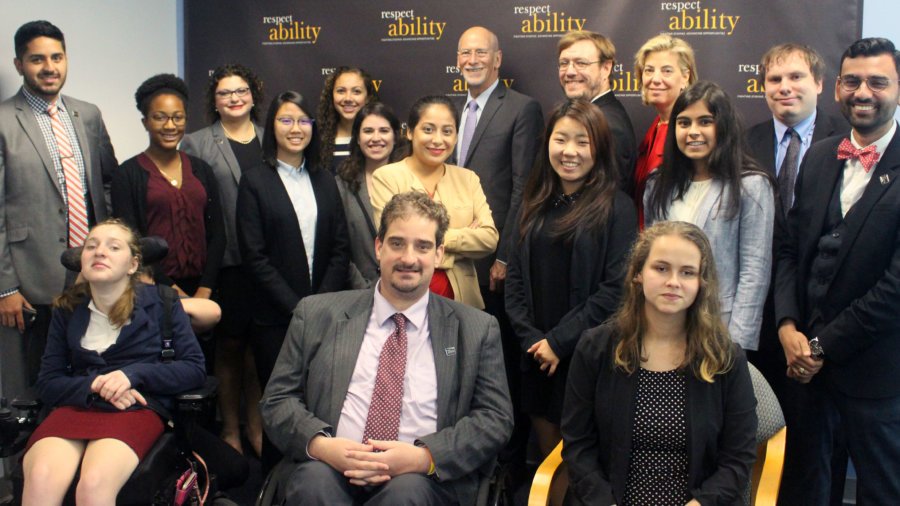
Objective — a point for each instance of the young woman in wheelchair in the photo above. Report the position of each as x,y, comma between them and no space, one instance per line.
104,376
659,406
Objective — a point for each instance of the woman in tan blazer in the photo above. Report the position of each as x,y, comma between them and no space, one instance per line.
432,129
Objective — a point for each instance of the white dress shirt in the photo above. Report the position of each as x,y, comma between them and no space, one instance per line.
299,188
855,178
418,416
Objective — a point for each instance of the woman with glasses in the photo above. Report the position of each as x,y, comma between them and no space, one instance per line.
291,230
666,66
231,145
167,193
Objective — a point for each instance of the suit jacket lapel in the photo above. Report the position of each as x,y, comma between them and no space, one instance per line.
30,125
885,175
348,337
221,141
711,200
495,101
444,332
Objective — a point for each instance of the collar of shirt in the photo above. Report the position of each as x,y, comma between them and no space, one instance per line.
39,105
881,144
290,170
804,129
414,314
483,98
600,95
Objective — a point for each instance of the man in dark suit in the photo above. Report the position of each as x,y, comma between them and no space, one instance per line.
585,62
390,395
838,281
793,75
506,136
55,164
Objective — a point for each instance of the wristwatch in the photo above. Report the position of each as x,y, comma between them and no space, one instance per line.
816,349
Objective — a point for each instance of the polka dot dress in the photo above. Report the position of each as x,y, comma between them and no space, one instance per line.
659,466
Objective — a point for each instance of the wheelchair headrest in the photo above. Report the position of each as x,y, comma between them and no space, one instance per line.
153,249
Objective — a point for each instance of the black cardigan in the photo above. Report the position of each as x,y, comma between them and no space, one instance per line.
598,417
129,203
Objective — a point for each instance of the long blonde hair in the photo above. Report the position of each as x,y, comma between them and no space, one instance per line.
81,291
709,348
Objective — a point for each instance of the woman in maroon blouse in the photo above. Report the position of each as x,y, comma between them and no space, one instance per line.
165,192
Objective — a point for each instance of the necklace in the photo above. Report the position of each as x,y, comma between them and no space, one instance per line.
172,180
235,139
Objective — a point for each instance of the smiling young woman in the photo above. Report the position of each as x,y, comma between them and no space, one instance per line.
573,215
168,193
345,92
432,129
707,179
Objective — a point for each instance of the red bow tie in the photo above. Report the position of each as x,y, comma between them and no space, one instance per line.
867,156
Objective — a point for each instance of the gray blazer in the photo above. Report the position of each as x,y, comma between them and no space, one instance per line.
211,145
361,226
33,229
309,383
742,247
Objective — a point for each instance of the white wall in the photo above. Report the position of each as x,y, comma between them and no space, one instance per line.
112,45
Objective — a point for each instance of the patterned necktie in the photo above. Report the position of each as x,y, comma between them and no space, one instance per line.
78,223
471,123
867,156
383,420
788,172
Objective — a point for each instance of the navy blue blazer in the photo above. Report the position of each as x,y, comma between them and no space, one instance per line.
598,418
67,369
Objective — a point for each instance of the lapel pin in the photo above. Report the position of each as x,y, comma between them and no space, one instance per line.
450,351
885,179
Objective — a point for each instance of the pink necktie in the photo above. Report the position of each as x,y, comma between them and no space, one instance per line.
867,156
78,223
383,420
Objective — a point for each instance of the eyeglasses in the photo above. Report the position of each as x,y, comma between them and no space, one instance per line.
579,64
480,53
851,83
290,122
240,92
163,118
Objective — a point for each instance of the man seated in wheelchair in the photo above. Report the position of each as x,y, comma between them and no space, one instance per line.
108,374
391,395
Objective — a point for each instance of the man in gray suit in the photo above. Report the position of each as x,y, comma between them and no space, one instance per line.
43,209
390,395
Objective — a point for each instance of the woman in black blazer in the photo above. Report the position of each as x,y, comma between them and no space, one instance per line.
285,207
659,407
565,274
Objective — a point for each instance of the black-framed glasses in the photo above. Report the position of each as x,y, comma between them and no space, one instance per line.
579,64
289,122
163,118
240,92
851,83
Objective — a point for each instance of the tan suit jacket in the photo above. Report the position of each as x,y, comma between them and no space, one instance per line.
460,191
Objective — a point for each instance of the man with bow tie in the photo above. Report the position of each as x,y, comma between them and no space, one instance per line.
838,282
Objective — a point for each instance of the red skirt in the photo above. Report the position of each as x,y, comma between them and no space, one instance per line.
440,284
139,429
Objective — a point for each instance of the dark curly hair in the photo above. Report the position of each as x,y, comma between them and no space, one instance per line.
327,117
238,70
160,84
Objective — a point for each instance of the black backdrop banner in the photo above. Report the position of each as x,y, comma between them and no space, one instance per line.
409,46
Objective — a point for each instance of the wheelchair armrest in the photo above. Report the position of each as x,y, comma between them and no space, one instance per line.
194,401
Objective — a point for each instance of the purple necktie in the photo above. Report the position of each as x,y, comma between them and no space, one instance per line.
471,123
383,420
